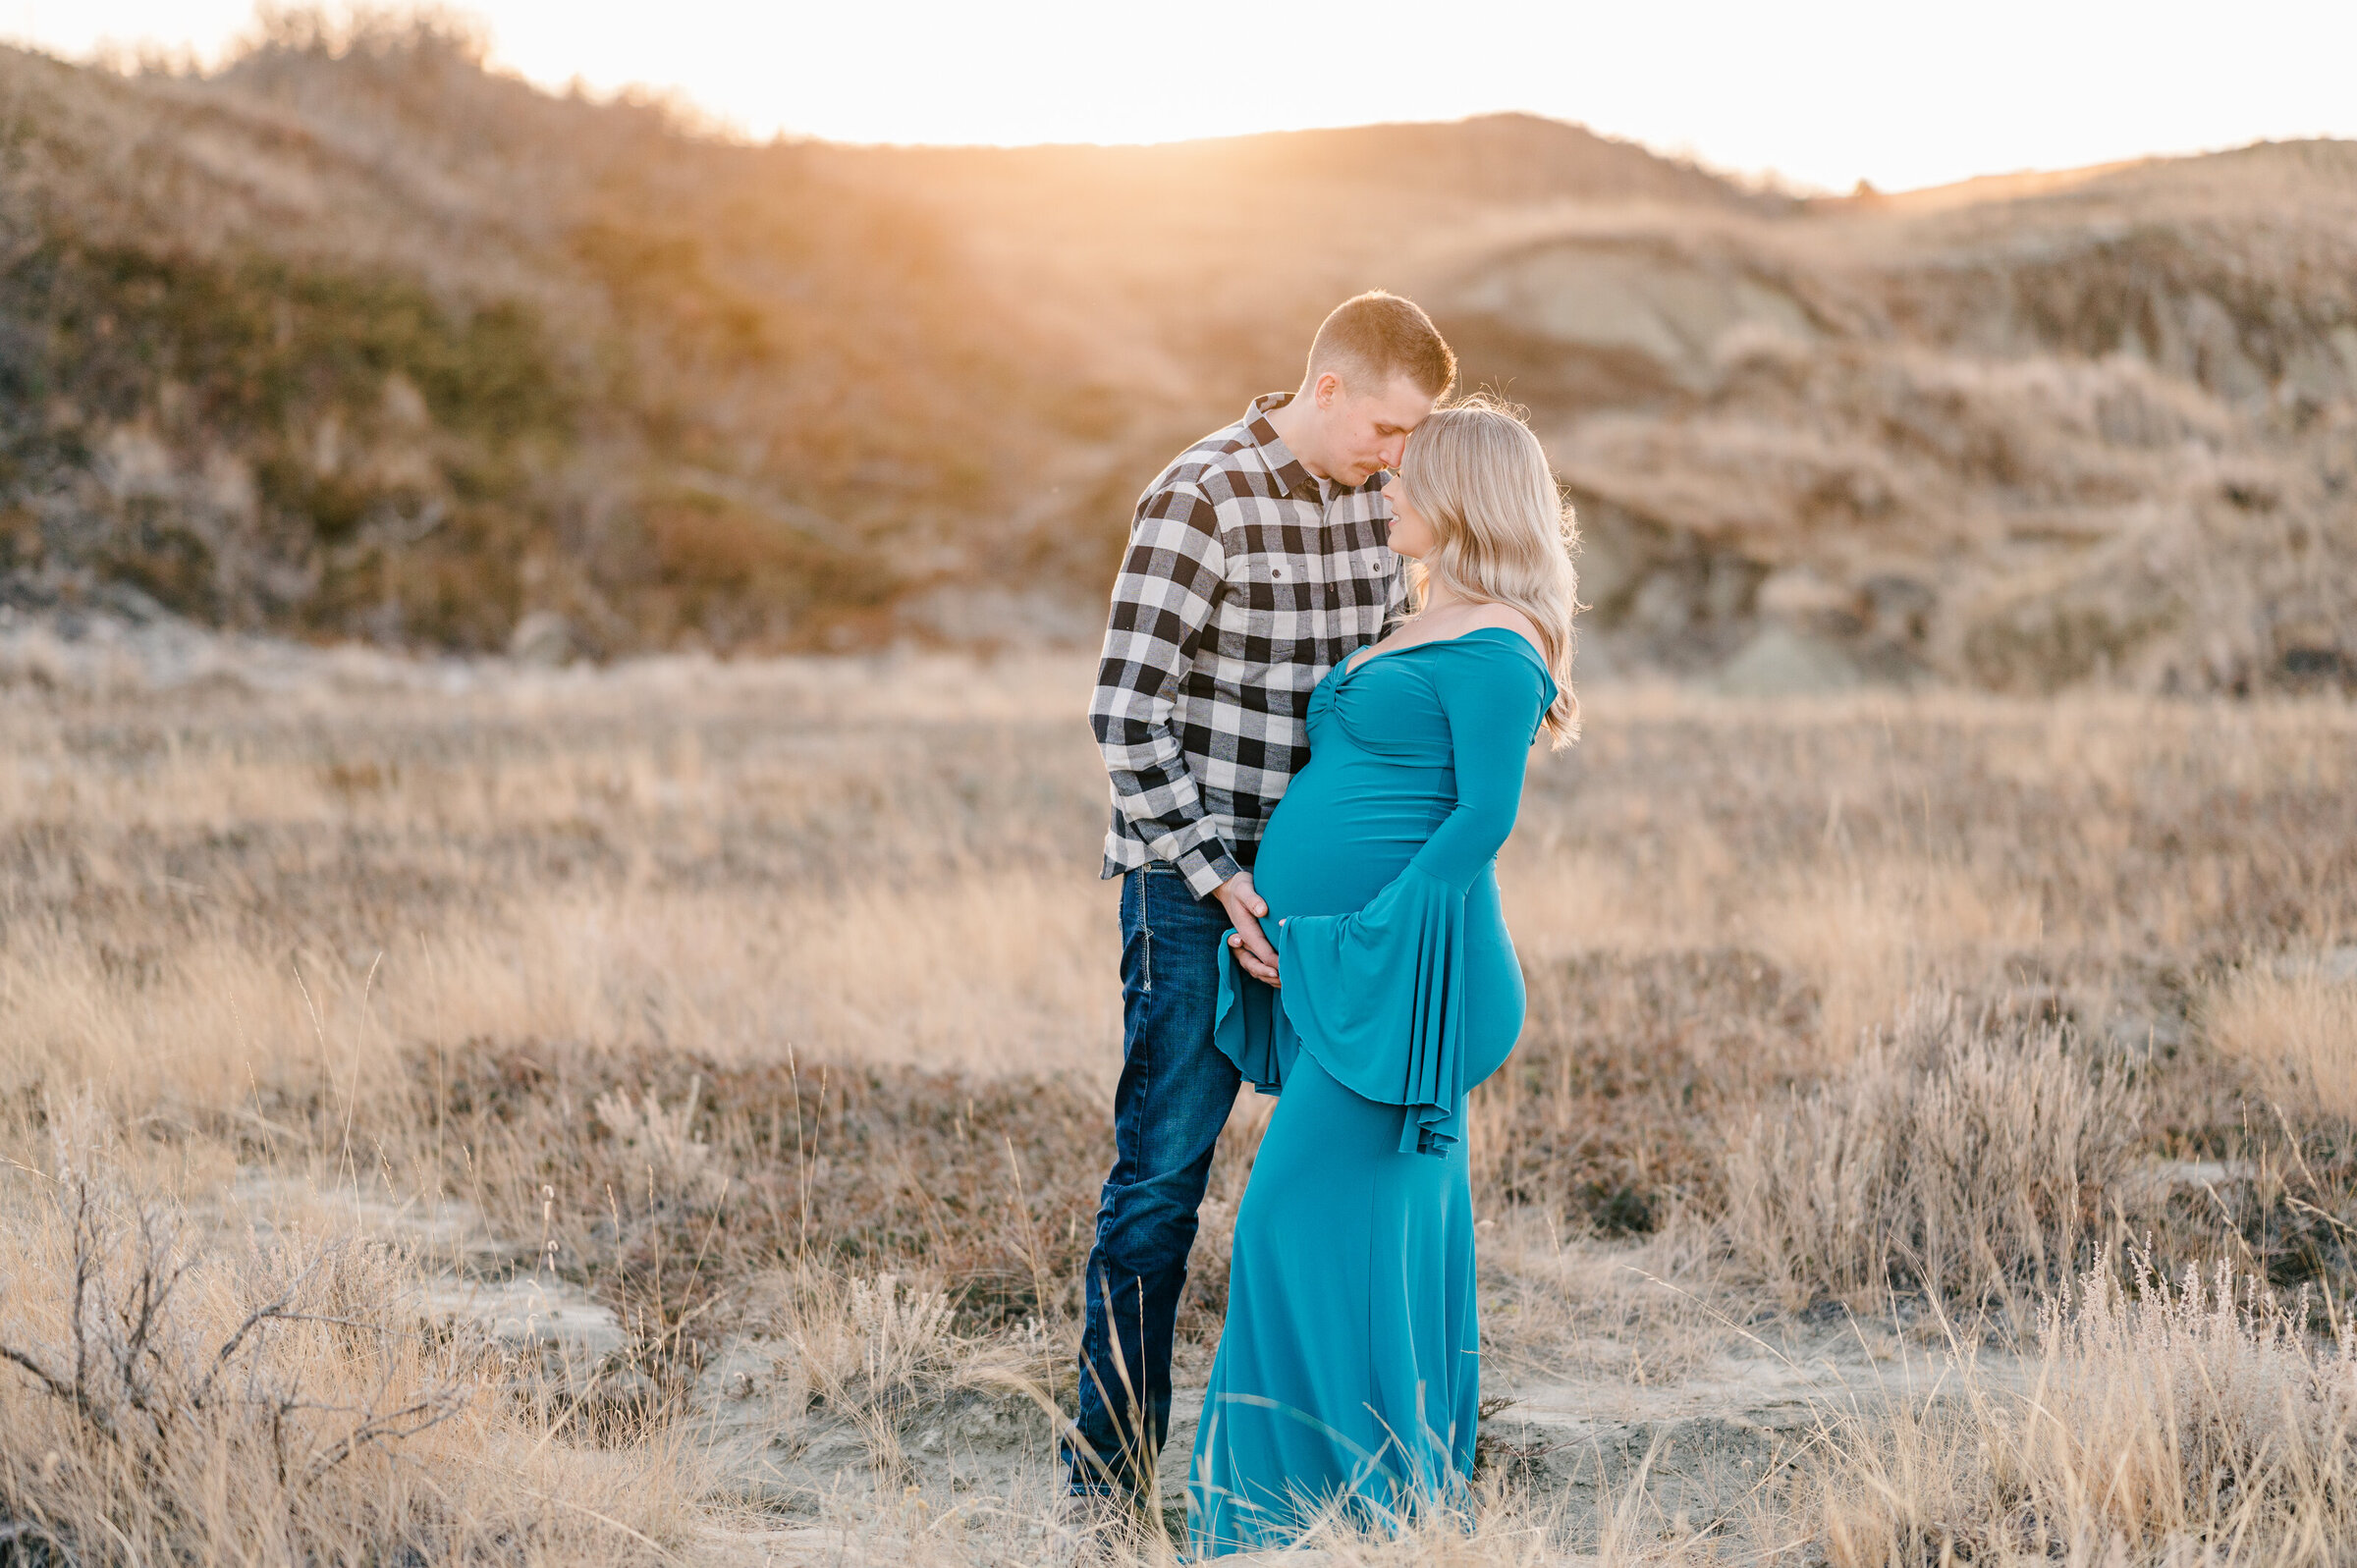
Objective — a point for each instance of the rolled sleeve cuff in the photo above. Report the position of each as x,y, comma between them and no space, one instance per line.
1205,866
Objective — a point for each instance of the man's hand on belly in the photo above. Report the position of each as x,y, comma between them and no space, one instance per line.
1245,908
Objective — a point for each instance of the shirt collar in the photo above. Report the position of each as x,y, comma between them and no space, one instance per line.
1297,480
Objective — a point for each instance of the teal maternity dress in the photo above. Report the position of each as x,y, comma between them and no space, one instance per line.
1350,1374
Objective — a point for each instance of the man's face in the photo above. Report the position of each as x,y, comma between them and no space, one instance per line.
1366,432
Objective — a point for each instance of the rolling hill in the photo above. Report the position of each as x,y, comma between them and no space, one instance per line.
355,338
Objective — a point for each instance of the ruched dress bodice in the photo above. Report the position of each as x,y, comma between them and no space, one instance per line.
1380,871
1349,1373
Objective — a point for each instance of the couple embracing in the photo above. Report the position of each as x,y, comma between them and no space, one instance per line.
1340,623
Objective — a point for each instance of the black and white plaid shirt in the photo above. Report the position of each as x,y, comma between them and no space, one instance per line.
1247,579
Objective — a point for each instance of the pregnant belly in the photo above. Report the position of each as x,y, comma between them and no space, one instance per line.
1335,843
1339,836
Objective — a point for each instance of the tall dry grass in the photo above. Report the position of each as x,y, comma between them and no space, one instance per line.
2294,1023
772,1004
735,870
2196,1419
1961,1157
891,861
175,1395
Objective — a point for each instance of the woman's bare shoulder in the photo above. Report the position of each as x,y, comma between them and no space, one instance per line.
1504,617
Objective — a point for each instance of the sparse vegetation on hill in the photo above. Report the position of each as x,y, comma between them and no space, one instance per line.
357,339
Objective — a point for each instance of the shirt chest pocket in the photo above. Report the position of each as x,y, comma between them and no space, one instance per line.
1368,575
1277,593
1275,583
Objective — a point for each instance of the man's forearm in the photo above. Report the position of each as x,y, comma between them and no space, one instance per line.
1160,601
1205,866
1154,788
1165,806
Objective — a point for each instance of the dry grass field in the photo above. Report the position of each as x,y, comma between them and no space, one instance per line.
456,1112
503,1110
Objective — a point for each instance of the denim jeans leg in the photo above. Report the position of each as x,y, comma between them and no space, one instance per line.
1173,1097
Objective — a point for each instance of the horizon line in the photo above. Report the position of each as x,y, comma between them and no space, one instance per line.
691,116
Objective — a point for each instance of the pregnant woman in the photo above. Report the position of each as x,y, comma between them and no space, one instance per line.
1349,1377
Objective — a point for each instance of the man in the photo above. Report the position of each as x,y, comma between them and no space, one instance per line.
1256,561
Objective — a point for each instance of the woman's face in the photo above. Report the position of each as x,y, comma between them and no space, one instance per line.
1411,535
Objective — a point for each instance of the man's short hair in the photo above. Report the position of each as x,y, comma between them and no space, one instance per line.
1378,336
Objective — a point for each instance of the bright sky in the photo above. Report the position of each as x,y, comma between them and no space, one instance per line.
1824,92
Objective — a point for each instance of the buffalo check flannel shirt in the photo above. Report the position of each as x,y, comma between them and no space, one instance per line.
1247,579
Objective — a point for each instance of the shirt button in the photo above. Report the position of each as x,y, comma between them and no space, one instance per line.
1276,573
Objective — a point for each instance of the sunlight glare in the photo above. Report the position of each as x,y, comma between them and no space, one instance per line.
1824,93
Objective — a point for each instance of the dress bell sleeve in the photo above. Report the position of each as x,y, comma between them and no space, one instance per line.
1377,994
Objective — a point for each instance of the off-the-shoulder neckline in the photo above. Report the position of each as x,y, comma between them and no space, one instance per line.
1353,663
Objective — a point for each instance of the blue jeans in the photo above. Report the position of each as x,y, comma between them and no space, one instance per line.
1173,1097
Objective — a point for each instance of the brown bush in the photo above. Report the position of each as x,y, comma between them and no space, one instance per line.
1964,1158
171,1398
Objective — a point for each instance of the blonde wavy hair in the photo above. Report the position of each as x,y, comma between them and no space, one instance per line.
1503,534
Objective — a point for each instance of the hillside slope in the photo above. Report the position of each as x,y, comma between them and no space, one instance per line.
375,341
2106,430
355,337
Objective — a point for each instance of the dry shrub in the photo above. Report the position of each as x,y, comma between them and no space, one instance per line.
169,1398
2199,1422
1608,1116
873,1352
663,1141
2295,1025
859,1343
880,1352
669,1179
1962,1158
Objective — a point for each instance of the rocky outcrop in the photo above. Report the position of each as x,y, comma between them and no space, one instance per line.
2107,435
